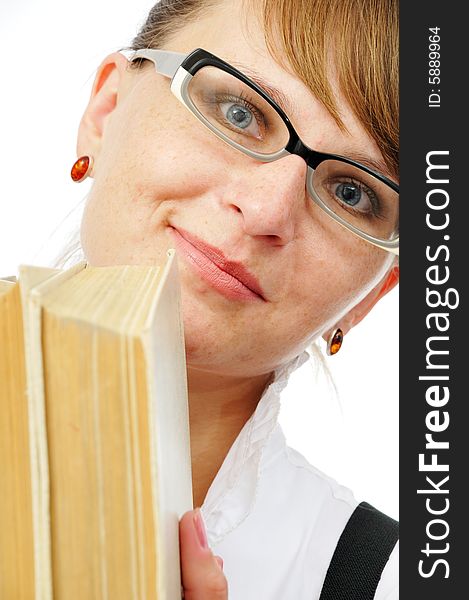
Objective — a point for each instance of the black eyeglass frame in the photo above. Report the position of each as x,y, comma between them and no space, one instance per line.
180,68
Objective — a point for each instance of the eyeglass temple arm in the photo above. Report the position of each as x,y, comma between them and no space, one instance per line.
166,62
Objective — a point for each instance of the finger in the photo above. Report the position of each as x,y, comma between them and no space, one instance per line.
202,575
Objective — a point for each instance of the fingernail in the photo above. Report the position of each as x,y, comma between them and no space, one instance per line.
219,560
200,529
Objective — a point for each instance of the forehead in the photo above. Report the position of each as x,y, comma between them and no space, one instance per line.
233,32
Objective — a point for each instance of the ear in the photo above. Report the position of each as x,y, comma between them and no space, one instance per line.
103,100
359,312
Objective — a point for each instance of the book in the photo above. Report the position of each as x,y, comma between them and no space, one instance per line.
95,468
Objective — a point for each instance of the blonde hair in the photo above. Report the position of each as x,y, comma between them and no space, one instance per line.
358,40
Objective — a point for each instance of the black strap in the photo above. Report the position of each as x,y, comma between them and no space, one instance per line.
361,554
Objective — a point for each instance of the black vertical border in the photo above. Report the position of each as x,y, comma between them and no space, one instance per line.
425,129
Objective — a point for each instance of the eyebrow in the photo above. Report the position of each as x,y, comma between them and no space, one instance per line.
376,165
277,95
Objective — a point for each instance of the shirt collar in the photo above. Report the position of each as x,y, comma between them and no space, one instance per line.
232,493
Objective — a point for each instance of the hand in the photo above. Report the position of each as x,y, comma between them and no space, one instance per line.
202,571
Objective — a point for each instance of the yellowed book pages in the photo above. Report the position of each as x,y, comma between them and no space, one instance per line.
111,437
18,572
31,278
16,519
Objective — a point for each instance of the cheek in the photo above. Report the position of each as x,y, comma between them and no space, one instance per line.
142,168
327,285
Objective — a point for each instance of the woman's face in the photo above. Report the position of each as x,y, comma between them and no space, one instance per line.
161,179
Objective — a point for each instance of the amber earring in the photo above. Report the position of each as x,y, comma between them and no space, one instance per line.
335,341
81,169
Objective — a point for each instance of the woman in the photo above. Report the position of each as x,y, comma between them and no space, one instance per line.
278,245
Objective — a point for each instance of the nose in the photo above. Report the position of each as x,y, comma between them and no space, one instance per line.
270,198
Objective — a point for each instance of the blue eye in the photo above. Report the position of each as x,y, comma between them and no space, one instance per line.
348,193
355,196
234,113
239,116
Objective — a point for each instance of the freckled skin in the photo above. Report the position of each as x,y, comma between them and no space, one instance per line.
155,166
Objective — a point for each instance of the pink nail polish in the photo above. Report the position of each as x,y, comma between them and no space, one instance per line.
200,529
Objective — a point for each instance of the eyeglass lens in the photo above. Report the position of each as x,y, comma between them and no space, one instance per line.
240,115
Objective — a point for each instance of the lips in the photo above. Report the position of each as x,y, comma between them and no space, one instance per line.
233,268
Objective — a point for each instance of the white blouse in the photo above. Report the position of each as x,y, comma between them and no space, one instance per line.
274,518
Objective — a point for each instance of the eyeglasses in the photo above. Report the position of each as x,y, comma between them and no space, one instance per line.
239,112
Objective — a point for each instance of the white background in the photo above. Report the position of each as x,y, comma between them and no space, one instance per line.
50,50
